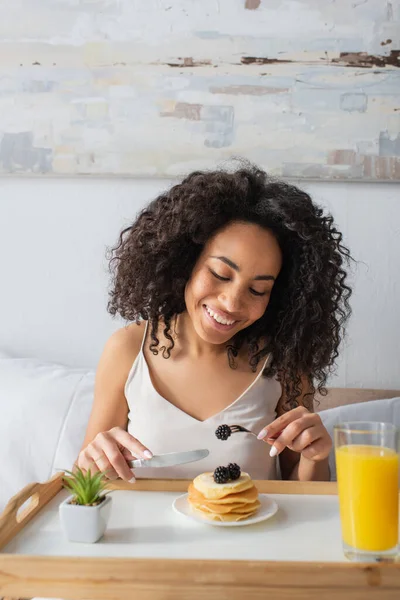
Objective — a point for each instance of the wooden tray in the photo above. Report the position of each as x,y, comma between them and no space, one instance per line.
96,571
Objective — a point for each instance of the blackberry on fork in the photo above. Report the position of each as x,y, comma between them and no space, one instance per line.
223,432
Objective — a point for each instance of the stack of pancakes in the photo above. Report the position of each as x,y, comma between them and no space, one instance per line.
232,501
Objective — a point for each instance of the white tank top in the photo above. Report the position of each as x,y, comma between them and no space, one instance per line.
163,427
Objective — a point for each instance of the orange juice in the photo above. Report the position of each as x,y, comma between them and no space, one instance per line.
368,484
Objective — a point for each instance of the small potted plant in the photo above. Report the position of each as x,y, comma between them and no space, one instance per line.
84,514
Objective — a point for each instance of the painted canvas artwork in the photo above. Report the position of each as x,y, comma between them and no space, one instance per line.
306,89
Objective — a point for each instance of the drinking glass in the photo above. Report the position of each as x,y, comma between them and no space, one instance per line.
367,465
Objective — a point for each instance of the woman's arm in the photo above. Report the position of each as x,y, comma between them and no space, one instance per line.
107,445
301,440
110,408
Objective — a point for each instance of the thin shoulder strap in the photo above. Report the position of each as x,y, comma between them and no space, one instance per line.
144,336
267,360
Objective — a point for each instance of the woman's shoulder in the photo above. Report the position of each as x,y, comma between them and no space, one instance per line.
122,347
128,338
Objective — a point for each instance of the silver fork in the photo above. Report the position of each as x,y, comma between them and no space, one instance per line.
240,428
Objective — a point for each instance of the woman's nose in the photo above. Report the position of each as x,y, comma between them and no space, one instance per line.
231,301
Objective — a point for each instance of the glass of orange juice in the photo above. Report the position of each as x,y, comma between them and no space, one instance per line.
367,465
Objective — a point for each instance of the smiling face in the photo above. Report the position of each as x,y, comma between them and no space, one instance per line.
231,283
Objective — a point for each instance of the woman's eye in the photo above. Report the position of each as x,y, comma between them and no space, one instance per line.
219,276
255,293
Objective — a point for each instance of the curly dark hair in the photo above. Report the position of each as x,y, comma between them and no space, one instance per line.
309,305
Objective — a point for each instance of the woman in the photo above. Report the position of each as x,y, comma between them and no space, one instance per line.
235,287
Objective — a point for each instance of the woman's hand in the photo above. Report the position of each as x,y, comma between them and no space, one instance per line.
298,430
109,453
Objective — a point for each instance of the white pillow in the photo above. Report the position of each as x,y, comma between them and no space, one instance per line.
386,411
73,431
44,410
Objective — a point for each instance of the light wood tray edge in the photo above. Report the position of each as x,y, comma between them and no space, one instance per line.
13,519
322,488
79,578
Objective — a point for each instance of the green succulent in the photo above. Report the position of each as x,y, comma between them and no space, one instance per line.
87,488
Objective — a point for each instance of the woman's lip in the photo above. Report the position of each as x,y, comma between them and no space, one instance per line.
215,323
221,313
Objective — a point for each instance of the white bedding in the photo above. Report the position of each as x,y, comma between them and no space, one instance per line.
44,410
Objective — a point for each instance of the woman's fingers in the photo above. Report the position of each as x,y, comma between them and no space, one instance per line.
103,464
318,450
94,459
301,426
305,439
127,454
113,461
307,436
275,428
109,453
298,430
130,443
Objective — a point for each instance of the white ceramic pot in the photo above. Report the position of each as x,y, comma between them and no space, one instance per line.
84,523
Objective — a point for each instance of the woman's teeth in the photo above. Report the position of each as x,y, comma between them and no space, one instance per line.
218,318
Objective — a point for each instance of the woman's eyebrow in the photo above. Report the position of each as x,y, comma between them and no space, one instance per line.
228,262
234,266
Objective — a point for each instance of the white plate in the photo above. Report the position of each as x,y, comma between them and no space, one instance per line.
267,509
